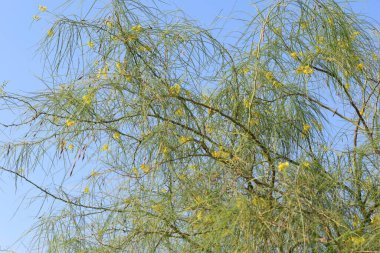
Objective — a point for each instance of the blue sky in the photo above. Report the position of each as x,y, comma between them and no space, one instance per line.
21,67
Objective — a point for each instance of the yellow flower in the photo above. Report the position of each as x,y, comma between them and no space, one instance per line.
135,171
137,28
283,166
105,147
220,154
90,44
145,168
304,25
269,75
131,37
36,17
109,24
360,66
86,189
299,70
376,219
50,33
87,99
245,70
293,55
305,165
70,123
357,240
70,147
307,70
184,139
144,48
128,77
165,150
179,112
175,90
320,39
116,136
42,8
119,67
318,49
94,173
158,208
306,128
347,86
355,34
103,72
246,103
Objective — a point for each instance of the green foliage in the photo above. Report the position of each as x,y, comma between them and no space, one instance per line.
180,142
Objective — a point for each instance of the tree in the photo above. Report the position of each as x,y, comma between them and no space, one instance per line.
166,138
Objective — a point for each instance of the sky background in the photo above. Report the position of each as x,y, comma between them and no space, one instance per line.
21,67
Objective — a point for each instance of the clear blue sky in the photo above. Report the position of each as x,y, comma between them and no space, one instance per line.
20,66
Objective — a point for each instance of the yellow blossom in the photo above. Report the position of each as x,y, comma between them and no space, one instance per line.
135,171
244,70
304,25
131,37
179,112
360,66
347,86
283,166
128,77
277,84
50,33
165,150
86,189
293,55
42,8
306,128
357,240
375,219
199,215
137,28
158,208
320,39
116,136
70,123
269,75
184,139
105,147
87,99
355,34
109,24
90,44
307,70
103,72
119,67
144,48
305,165
70,147
36,17
94,173
246,103
220,154
175,90
145,168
